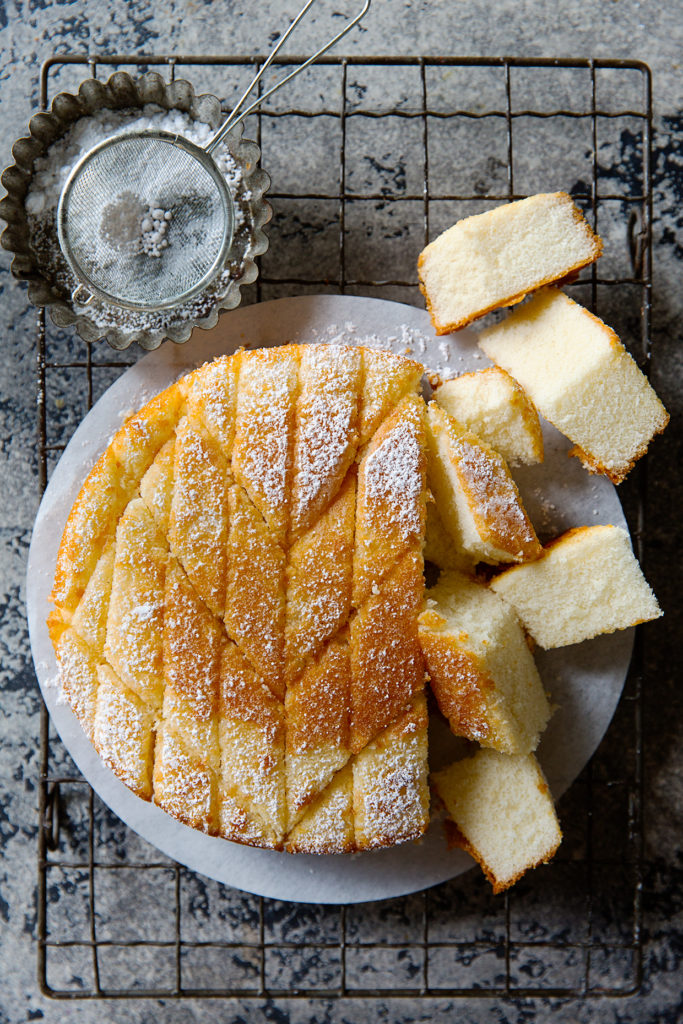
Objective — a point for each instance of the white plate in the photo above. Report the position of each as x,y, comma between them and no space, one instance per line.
585,680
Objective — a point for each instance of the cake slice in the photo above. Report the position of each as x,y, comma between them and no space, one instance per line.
477,498
386,380
325,437
482,672
319,578
78,672
327,826
255,604
251,735
156,486
262,452
80,645
113,481
198,518
495,258
391,497
581,378
212,398
387,666
390,788
493,406
502,811
317,728
134,645
123,732
587,582
380,798
187,761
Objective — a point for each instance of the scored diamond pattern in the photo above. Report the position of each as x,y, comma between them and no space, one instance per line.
236,600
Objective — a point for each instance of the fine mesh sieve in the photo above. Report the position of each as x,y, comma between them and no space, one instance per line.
110,194
145,219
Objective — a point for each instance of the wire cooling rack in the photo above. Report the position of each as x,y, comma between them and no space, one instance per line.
370,158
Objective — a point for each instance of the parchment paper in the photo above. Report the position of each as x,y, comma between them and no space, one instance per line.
584,681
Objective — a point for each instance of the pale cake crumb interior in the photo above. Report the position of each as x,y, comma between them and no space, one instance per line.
494,259
477,499
493,406
504,813
581,378
586,583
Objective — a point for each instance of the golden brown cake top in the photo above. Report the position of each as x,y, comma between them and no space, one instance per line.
237,593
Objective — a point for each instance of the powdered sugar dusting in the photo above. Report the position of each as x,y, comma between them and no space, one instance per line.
183,783
327,413
252,768
76,679
441,357
123,731
137,648
495,496
324,441
394,479
262,444
329,826
392,788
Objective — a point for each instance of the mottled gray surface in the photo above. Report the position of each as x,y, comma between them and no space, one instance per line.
553,903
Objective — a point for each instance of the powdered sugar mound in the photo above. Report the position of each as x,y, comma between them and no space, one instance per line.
145,612
233,174
153,230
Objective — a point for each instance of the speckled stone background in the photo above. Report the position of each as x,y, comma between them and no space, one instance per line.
552,904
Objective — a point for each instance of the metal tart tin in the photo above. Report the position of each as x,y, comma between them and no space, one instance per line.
46,286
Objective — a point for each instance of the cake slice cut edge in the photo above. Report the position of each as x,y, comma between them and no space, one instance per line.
328,825
581,378
476,496
495,407
496,258
439,546
586,583
503,813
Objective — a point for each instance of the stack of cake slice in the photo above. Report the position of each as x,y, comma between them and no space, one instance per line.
557,358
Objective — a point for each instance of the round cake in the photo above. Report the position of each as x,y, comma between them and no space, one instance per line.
237,597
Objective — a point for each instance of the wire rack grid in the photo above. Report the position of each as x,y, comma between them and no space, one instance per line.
395,150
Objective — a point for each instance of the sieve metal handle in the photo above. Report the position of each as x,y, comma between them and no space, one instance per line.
82,296
237,114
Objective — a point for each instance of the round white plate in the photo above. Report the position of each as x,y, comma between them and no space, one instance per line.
584,681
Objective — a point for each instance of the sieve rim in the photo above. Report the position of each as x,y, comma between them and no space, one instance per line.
207,162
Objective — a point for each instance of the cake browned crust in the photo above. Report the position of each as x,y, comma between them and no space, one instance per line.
237,594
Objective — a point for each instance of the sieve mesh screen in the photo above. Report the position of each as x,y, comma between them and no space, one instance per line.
106,223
